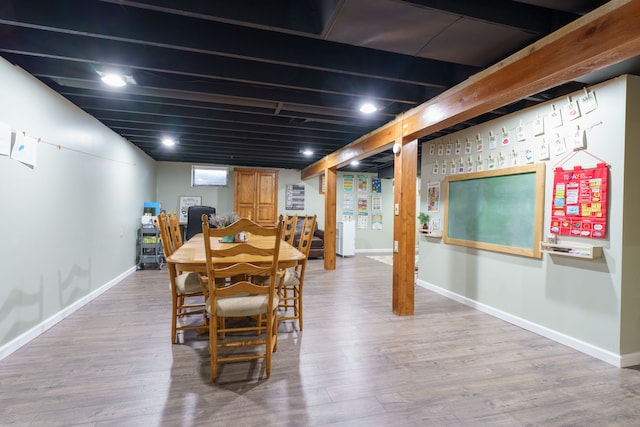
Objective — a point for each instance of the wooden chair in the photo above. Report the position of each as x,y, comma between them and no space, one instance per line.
174,228
289,232
290,284
188,285
242,296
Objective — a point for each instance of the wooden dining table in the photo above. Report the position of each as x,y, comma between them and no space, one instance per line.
191,255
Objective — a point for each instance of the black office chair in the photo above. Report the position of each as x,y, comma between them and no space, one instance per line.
194,219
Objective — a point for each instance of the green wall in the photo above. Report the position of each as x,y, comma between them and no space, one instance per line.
173,180
69,224
590,305
368,239
630,295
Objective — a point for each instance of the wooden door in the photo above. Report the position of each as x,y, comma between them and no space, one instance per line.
256,195
267,197
245,191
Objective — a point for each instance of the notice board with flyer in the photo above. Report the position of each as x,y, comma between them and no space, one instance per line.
580,201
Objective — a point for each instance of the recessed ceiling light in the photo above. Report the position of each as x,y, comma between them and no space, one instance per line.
307,152
113,80
368,108
355,163
168,142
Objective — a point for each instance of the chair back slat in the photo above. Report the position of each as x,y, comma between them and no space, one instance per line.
174,228
243,224
241,268
163,226
217,258
290,223
242,287
238,249
306,235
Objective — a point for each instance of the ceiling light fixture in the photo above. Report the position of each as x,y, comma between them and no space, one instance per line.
168,142
113,80
368,108
355,163
307,152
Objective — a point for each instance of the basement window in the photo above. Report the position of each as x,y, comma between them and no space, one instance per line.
209,176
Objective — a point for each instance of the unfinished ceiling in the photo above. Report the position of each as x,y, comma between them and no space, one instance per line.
254,83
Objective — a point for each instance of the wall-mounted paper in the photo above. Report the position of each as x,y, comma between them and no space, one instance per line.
433,196
376,203
376,221
363,220
25,149
347,183
363,202
363,183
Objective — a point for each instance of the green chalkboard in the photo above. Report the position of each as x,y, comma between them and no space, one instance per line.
499,210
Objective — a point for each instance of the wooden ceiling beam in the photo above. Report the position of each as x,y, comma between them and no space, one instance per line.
604,37
368,145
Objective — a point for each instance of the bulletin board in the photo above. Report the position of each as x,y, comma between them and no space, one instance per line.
499,210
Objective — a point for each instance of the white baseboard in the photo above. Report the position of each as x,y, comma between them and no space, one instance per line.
34,332
386,251
632,359
599,353
374,251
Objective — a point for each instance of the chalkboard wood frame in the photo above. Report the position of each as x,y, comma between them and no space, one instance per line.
531,221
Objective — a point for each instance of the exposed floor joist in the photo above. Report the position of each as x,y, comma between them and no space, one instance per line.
604,37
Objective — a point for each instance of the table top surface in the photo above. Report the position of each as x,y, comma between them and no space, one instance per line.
192,252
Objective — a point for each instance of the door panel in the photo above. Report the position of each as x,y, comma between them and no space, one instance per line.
256,195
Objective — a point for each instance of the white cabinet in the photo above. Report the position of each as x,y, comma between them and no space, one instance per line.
346,238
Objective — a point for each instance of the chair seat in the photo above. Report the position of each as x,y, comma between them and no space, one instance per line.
291,277
242,306
188,283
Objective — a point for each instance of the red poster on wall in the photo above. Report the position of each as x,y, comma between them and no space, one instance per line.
580,201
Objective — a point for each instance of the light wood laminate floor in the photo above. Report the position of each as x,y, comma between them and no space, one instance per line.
356,364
